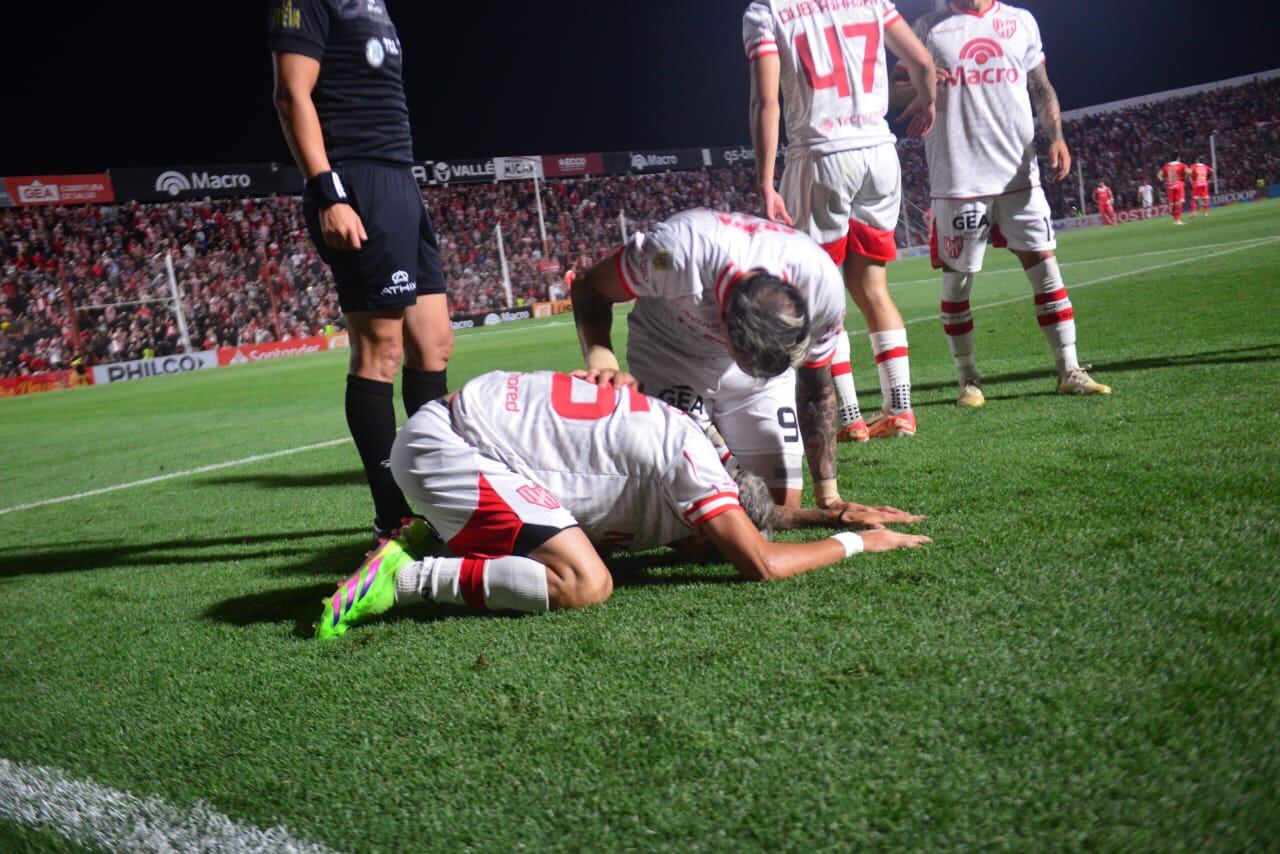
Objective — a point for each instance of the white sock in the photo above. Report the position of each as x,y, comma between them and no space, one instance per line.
894,367
1054,312
957,322
509,583
842,373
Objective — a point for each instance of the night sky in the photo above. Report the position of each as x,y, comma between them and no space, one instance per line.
150,84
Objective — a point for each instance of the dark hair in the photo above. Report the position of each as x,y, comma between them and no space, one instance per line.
768,324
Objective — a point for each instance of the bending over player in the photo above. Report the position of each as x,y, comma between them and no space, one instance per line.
985,178
726,305
522,473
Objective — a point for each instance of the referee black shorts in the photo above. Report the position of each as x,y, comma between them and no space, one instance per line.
401,258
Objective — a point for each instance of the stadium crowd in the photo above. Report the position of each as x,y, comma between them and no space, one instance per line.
248,273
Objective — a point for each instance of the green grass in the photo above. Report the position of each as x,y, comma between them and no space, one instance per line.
1087,657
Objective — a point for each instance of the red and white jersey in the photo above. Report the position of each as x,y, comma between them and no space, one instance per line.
1102,195
682,270
1200,174
634,471
1173,173
835,80
984,141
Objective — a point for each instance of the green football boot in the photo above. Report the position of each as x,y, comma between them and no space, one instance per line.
371,591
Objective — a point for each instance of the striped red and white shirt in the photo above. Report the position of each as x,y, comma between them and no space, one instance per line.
634,471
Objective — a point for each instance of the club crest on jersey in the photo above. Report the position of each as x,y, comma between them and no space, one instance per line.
538,496
953,246
375,53
1005,27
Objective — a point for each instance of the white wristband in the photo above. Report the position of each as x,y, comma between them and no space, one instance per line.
852,542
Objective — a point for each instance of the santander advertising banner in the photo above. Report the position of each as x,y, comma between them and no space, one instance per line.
247,353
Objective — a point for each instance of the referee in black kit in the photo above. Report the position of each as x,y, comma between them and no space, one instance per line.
340,98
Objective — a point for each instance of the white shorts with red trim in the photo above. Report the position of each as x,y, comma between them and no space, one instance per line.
477,504
1021,220
757,418
848,201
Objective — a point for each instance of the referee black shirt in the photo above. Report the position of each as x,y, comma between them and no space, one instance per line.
360,93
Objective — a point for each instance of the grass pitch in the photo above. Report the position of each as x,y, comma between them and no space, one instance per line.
1087,657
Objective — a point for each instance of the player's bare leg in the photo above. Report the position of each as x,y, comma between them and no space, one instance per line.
868,284
957,323
1057,320
564,572
428,344
377,348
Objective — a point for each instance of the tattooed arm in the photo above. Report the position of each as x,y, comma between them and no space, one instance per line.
1050,112
816,405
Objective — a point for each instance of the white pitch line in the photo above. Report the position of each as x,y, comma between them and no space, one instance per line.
1069,265
112,820
172,475
1075,286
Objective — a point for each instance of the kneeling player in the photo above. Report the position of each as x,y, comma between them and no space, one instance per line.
524,475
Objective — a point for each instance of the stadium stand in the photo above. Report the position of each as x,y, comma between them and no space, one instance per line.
249,274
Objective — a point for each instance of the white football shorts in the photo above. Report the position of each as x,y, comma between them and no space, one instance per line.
478,505
848,201
1020,220
757,418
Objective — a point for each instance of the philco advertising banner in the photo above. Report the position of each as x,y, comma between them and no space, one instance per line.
175,183
60,190
144,368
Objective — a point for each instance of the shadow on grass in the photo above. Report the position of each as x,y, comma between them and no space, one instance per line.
78,557
1237,356
301,606
283,480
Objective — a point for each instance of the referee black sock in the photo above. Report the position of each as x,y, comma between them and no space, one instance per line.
371,417
418,388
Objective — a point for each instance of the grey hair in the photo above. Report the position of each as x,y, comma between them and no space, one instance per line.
755,498
768,324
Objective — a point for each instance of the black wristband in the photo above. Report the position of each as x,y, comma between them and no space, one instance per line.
326,190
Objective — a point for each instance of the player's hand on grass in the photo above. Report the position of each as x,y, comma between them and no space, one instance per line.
861,516
1059,159
885,540
775,210
922,117
609,376
342,228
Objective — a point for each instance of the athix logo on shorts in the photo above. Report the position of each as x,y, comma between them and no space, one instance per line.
400,284
539,496
1005,27
982,53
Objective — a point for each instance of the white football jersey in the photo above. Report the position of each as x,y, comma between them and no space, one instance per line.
984,141
835,82
634,471
681,271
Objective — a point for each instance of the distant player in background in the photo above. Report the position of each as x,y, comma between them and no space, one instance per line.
1200,174
1173,174
1106,202
1146,195
843,182
525,475
985,179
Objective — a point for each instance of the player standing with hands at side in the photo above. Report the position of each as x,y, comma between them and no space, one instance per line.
340,97
843,182
985,179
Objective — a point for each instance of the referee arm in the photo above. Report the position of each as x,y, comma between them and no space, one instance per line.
295,78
